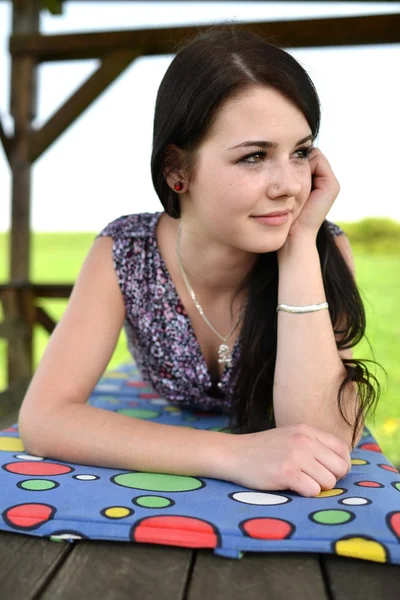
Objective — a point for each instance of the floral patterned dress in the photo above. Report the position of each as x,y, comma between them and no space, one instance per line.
159,332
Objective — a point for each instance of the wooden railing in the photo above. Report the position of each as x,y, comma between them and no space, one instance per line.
21,314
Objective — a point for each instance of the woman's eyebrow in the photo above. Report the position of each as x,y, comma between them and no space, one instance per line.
264,144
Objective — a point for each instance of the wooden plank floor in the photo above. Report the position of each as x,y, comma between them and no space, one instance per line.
33,568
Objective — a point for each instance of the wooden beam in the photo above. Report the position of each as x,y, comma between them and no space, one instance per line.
19,310
40,290
338,31
6,140
53,6
12,327
25,21
44,319
11,399
112,66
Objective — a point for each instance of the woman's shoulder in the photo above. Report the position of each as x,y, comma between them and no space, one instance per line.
136,225
334,229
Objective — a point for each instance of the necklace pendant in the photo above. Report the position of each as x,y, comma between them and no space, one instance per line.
224,354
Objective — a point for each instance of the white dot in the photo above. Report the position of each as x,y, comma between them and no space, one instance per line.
159,401
355,501
86,477
66,536
107,387
259,498
28,457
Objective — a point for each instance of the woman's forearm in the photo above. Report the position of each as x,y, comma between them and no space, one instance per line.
88,435
308,368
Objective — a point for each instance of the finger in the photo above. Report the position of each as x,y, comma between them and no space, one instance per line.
336,465
304,485
320,474
337,445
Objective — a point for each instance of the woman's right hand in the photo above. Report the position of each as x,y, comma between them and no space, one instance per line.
299,457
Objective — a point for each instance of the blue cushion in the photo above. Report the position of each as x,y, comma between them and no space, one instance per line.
64,501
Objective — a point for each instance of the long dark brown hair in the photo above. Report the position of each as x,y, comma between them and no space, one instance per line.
219,64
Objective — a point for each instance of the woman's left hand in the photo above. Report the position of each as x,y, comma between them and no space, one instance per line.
324,191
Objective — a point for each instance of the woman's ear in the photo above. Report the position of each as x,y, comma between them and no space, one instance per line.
172,165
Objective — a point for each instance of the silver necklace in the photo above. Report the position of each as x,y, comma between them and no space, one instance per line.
224,352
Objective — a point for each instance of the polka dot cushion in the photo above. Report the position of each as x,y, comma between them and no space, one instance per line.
63,501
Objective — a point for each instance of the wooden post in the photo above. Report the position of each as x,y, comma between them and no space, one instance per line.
25,20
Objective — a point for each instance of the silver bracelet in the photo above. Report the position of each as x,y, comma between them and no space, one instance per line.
302,309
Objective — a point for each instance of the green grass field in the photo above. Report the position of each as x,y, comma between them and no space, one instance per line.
58,258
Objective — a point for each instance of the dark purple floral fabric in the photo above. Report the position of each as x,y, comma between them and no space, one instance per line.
159,332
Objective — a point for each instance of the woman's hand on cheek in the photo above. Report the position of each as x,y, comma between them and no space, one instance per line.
324,191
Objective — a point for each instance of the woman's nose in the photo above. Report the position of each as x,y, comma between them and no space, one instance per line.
283,182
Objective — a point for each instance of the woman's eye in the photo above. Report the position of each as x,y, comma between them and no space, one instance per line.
246,160
304,153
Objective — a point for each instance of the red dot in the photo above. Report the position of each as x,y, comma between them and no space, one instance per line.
175,530
37,468
370,446
137,384
374,484
148,395
267,528
389,468
394,522
28,516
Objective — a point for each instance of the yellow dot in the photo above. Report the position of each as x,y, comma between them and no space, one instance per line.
172,409
361,548
358,461
116,375
12,444
116,512
329,493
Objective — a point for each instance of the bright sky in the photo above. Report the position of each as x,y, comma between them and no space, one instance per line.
99,169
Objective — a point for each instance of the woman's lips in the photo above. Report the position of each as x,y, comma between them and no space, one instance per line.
274,220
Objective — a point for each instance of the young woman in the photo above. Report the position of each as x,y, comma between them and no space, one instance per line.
225,308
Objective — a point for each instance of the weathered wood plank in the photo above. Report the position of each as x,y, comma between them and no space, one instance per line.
23,104
6,140
26,563
257,575
121,571
336,31
40,290
19,306
9,418
352,578
45,320
11,400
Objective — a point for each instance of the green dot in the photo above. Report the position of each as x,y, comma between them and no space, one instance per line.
332,517
190,418
107,398
158,482
39,485
397,486
139,413
153,501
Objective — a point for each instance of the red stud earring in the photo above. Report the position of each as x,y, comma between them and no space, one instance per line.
178,186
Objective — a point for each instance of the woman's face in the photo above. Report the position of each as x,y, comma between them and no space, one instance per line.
229,186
